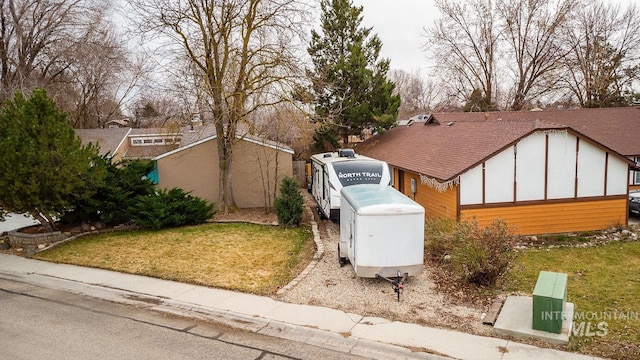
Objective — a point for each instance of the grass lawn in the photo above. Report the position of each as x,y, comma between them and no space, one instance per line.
250,258
604,285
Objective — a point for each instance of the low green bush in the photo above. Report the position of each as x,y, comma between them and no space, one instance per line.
472,254
109,201
171,208
290,203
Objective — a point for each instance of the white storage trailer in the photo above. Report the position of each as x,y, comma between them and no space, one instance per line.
332,171
381,232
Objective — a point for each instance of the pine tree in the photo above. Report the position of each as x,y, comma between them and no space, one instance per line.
290,203
349,84
43,162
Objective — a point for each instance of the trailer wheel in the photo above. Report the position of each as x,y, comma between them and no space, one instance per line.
341,260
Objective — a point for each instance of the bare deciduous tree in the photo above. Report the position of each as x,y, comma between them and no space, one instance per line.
531,30
464,44
32,33
603,45
68,48
239,49
417,94
535,50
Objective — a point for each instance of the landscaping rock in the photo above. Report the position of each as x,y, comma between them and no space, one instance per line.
29,252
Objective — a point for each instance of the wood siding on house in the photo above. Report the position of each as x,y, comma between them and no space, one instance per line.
254,172
556,217
193,169
436,204
257,172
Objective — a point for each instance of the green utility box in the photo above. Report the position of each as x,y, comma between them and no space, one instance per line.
549,298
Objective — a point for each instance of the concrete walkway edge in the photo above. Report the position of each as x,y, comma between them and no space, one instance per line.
328,328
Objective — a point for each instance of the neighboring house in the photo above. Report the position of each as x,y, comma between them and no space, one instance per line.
188,158
258,167
114,141
538,175
117,123
127,143
617,128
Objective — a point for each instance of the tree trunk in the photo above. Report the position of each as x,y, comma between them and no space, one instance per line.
45,222
518,102
225,158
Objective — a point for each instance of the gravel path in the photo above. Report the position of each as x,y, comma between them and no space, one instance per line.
327,284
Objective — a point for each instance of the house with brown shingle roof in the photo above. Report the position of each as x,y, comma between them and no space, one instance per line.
530,169
617,128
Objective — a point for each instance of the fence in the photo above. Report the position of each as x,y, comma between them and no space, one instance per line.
299,172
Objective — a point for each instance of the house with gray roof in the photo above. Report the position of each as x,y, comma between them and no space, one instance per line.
187,158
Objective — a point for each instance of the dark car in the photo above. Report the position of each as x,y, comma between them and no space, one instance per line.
634,203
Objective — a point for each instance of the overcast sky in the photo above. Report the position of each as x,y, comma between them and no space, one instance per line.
400,23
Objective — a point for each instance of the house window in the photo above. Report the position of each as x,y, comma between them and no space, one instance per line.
636,174
154,140
401,181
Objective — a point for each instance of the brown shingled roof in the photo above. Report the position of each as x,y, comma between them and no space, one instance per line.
445,151
617,128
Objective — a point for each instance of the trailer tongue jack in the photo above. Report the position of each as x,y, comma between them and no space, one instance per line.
397,282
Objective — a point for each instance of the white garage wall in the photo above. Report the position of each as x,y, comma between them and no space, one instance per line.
591,166
499,177
471,186
530,167
616,176
562,166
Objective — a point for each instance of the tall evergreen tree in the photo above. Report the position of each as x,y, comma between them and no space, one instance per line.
349,84
43,162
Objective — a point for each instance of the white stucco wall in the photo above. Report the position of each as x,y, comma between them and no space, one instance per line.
471,186
530,168
499,176
591,166
562,166
616,176
527,159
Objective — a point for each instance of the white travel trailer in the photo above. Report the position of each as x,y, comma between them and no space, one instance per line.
332,171
381,232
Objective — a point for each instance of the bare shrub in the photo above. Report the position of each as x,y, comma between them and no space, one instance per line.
470,253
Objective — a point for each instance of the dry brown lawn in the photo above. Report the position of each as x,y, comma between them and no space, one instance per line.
251,258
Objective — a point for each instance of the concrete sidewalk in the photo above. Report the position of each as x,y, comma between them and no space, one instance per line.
328,328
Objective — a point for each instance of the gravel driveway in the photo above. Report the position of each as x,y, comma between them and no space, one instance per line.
330,285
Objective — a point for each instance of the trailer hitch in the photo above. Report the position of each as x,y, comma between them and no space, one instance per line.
397,282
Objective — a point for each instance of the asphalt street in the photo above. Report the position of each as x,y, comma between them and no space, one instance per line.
41,323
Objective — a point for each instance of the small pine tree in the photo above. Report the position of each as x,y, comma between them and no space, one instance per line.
289,203
42,161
